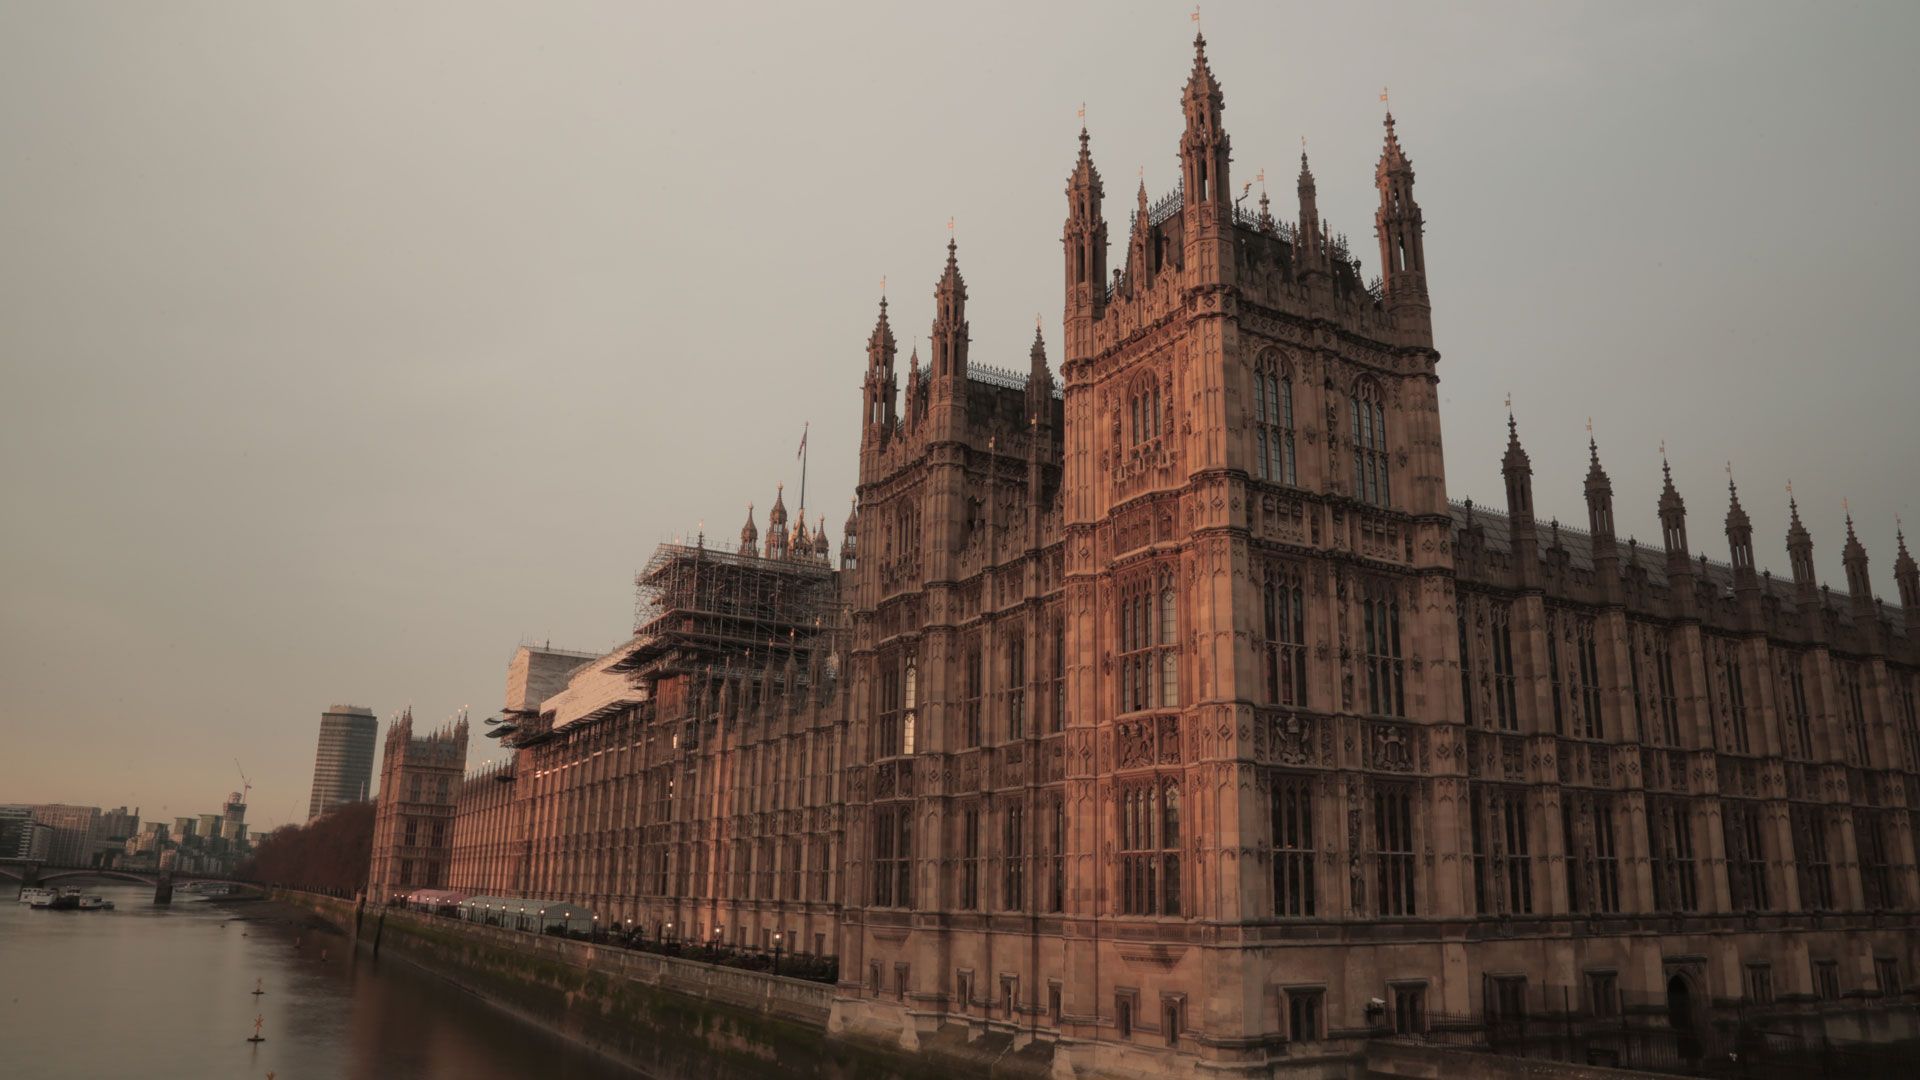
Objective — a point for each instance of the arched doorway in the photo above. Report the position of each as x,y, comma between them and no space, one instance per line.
1680,1017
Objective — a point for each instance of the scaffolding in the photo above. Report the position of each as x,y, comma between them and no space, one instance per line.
702,610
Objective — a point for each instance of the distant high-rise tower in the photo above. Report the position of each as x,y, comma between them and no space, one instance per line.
343,765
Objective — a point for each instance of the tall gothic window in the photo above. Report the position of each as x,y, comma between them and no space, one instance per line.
1593,863
1393,849
1273,421
912,710
1369,445
1909,713
1013,845
1670,842
1737,704
1506,701
1502,854
970,703
1386,670
1466,670
1876,866
1799,717
1150,847
1555,686
1744,835
1669,696
1286,626
1810,859
1016,686
970,859
1057,854
893,856
1149,662
1587,723
886,739
1143,406
1293,848
1057,699
1855,712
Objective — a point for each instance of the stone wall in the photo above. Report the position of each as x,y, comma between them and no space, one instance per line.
667,1016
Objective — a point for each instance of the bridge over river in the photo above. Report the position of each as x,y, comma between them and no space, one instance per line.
28,873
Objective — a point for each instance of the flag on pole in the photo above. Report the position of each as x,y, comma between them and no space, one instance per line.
802,452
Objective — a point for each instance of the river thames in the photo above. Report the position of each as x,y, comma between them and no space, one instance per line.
156,993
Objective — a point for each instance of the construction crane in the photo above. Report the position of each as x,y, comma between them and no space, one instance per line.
246,785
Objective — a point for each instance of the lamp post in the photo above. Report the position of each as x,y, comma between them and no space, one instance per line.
665,935
596,928
776,953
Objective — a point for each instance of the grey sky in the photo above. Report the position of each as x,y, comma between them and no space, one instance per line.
345,346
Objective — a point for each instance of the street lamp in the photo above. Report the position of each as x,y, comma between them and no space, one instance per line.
776,953
596,928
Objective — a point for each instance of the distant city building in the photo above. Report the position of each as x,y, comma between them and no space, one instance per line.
17,836
413,822
185,827
74,830
343,764
119,823
233,819
209,826
29,840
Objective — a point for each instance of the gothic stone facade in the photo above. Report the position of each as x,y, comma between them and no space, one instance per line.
420,776
1173,714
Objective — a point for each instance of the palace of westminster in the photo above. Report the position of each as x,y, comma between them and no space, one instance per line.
1171,713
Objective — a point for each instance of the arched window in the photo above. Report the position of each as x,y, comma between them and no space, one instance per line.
1369,444
1386,669
1147,615
1149,420
907,718
1273,421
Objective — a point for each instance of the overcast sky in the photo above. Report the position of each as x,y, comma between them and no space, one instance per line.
344,347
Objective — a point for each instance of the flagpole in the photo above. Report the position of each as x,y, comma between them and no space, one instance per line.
803,462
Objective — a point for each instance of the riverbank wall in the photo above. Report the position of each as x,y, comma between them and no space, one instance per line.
663,1015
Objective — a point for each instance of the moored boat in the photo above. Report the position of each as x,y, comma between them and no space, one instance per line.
37,897
95,903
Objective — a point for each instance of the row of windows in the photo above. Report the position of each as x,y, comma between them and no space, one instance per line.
897,695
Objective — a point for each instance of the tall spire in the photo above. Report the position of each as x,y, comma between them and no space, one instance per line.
1800,552
849,546
1673,534
1085,239
777,525
749,534
1907,576
1854,556
1606,549
880,388
1204,148
1039,382
1517,469
1400,227
950,326
1310,247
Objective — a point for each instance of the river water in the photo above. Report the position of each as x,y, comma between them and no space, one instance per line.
157,993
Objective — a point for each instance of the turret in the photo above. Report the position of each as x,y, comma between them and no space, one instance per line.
777,525
1310,251
1907,576
915,405
1140,266
1039,384
1673,534
949,374
1746,580
880,388
749,535
1204,150
822,551
1606,549
1866,613
1206,188
849,548
1398,224
1854,557
1085,240
1800,557
1517,468
802,544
